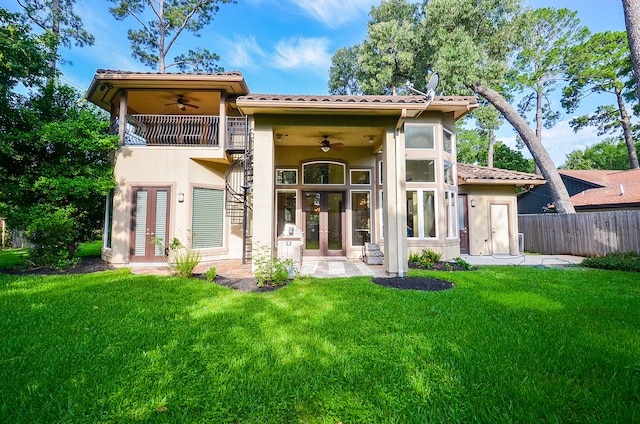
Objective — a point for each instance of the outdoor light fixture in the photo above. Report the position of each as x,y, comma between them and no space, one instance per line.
278,137
180,197
325,148
473,203
371,139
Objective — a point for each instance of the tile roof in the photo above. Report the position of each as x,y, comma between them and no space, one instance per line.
617,188
352,99
120,72
474,174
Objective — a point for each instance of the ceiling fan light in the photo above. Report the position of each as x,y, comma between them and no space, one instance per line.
325,148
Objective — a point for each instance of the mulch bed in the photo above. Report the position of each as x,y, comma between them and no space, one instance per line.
414,283
90,265
85,266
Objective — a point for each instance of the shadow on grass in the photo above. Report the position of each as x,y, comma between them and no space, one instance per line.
114,347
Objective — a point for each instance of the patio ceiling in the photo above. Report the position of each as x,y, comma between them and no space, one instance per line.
312,136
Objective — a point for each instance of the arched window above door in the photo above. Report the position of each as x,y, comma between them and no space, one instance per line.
323,173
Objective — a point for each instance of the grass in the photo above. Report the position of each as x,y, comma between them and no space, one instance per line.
508,344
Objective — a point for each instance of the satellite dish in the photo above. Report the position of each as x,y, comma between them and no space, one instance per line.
433,82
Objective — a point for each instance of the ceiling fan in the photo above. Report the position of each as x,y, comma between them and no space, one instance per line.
182,103
326,145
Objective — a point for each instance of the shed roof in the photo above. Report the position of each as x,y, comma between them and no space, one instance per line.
482,175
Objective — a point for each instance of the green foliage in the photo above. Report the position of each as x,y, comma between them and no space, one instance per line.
169,19
462,263
472,149
24,57
628,261
57,170
610,153
426,258
211,274
270,270
182,259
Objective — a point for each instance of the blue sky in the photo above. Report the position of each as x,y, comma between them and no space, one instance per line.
285,46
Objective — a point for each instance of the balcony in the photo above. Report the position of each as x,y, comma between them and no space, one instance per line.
172,130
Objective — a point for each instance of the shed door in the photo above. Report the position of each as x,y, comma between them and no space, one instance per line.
499,229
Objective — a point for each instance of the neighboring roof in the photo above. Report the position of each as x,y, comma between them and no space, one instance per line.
412,105
483,175
616,188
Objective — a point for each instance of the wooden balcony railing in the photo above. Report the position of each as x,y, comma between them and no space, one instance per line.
171,130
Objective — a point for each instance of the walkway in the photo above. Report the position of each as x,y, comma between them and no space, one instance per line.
341,267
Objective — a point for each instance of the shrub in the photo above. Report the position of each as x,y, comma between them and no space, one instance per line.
414,258
628,261
181,259
431,255
211,273
462,263
270,270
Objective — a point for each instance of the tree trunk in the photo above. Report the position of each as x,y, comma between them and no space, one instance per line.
632,21
559,194
626,129
492,142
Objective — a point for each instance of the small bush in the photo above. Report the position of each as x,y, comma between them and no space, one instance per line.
414,258
628,261
431,255
269,270
462,263
211,274
181,259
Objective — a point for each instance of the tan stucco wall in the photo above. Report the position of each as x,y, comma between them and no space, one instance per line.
480,231
176,168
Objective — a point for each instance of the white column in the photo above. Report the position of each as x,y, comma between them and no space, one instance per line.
263,187
395,204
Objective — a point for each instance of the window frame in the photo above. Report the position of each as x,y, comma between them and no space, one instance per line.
294,170
421,125
351,180
222,220
328,162
420,209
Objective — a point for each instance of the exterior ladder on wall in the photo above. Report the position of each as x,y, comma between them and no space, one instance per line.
239,179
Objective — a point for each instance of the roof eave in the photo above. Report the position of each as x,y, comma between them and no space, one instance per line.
518,183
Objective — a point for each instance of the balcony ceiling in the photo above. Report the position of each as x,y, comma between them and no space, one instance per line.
312,136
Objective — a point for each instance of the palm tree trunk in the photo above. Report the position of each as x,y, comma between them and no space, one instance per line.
559,194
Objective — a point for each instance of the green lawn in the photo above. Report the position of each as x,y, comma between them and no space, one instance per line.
507,344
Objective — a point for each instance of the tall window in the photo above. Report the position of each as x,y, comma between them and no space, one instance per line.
419,136
421,214
108,220
447,141
286,209
448,173
360,217
207,218
450,214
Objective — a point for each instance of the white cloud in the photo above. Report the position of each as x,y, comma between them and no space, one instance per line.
335,13
303,53
242,51
559,140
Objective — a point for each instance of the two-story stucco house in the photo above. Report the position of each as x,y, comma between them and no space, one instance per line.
204,160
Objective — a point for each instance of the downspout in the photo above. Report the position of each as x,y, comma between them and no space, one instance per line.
400,223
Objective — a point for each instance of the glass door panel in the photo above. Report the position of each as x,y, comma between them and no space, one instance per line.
324,223
312,221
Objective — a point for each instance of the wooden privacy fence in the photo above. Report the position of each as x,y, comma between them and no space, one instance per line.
583,234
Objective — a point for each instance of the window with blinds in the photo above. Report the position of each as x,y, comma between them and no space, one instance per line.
208,217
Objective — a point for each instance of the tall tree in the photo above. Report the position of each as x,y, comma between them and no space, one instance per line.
58,17
488,120
469,44
168,19
56,171
539,65
23,60
632,21
343,74
602,64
